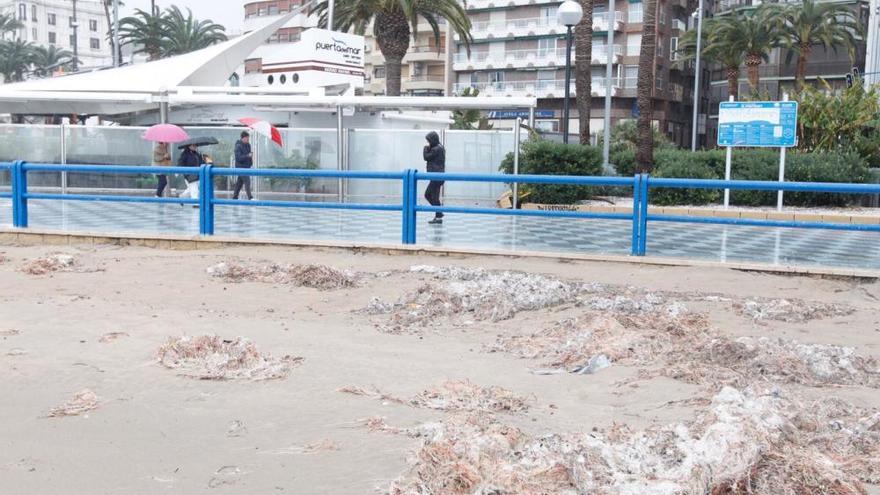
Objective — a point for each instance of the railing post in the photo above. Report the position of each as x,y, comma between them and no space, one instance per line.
411,195
404,208
19,195
637,210
206,196
643,216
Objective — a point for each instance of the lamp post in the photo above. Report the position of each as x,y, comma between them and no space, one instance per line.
75,26
568,15
609,74
331,11
696,122
117,53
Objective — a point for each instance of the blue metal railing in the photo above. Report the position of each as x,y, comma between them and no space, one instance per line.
409,206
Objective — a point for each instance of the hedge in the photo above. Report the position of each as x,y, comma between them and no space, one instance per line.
544,157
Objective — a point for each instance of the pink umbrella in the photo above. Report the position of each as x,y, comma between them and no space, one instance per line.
165,133
265,128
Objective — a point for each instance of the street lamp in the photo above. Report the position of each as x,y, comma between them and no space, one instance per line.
568,15
75,26
695,123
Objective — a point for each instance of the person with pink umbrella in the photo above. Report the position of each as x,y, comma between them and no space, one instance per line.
163,135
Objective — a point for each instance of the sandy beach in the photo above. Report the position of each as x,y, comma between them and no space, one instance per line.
400,338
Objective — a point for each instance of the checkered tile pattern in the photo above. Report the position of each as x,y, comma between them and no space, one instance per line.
695,241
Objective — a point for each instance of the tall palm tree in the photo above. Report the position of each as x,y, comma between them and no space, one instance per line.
185,33
645,89
727,55
108,4
583,45
16,59
754,33
144,30
395,23
9,24
46,59
813,23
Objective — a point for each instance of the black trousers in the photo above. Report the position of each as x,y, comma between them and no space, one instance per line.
163,183
243,181
432,194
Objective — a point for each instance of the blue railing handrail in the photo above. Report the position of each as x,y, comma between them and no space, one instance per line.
752,185
109,169
586,180
307,173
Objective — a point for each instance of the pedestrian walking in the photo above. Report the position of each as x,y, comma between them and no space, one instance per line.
190,157
244,158
161,158
435,160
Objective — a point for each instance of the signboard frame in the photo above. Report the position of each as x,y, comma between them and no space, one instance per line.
763,130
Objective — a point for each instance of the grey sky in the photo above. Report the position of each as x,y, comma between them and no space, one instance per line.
231,14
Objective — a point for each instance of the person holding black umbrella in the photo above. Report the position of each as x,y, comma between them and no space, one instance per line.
191,158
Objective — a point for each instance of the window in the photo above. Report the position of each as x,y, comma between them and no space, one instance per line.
22,12
50,18
662,17
33,34
659,46
52,38
72,40
273,10
636,12
546,46
549,13
379,72
283,38
630,76
659,79
93,25
418,68
34,13
283,79
271,80
95,43
673,48
473,78
261,12
71,21
633,45
496,77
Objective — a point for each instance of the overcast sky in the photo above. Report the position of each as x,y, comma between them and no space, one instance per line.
231,14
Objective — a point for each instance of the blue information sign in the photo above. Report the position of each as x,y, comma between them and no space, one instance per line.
770,124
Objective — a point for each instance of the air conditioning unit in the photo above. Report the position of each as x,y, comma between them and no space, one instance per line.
679,24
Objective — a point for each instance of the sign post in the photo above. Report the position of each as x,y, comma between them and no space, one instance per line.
760,124
782,150
727,168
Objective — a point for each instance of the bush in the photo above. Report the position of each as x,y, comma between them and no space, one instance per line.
543,157
685,168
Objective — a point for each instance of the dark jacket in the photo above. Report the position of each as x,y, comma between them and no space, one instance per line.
190,158
243,158
435,155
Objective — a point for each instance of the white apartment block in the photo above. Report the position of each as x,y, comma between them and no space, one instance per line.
51,22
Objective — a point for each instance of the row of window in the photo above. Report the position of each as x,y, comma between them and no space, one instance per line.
94,43
51,18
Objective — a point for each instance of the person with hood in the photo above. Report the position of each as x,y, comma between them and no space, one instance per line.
191,158
435,158
244,158
161,158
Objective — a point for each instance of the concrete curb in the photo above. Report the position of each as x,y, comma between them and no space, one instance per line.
182,242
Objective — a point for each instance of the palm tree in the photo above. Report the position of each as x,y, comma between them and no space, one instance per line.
8,24
395,23
108,4
754,34
16,58
144,30
583,45
727,55
185,33
645,89
49,58
813,23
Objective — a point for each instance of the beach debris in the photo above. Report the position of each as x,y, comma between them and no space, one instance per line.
16,352
112,336
472,294
226,475
82,402
744,436
49,264
789,310
454,395
209,357
319,277
236,428
594,365
9,333
325,445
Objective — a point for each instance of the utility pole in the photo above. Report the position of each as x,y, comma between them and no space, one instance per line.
696,118
75,26
872,57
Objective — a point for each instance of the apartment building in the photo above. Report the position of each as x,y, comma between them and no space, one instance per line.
778,74
519,50
51,22
424,68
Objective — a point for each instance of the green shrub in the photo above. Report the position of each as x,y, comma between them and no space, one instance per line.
825,167
543,157
686,168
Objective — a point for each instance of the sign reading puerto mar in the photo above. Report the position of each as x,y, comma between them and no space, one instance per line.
770,124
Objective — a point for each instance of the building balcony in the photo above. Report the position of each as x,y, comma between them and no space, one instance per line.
676,92
537,89
500,4
425,53
524,59
536,26
424,82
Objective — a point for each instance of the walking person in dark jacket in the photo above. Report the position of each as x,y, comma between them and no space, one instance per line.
244,158
190,157
435,158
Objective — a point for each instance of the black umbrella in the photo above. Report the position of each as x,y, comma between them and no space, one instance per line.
198,141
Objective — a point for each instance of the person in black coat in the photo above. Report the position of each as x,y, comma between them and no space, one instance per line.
435,158
190,157
244,158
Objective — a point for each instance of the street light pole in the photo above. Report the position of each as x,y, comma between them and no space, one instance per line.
331,7
695,123
117,53
568,15
75,26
